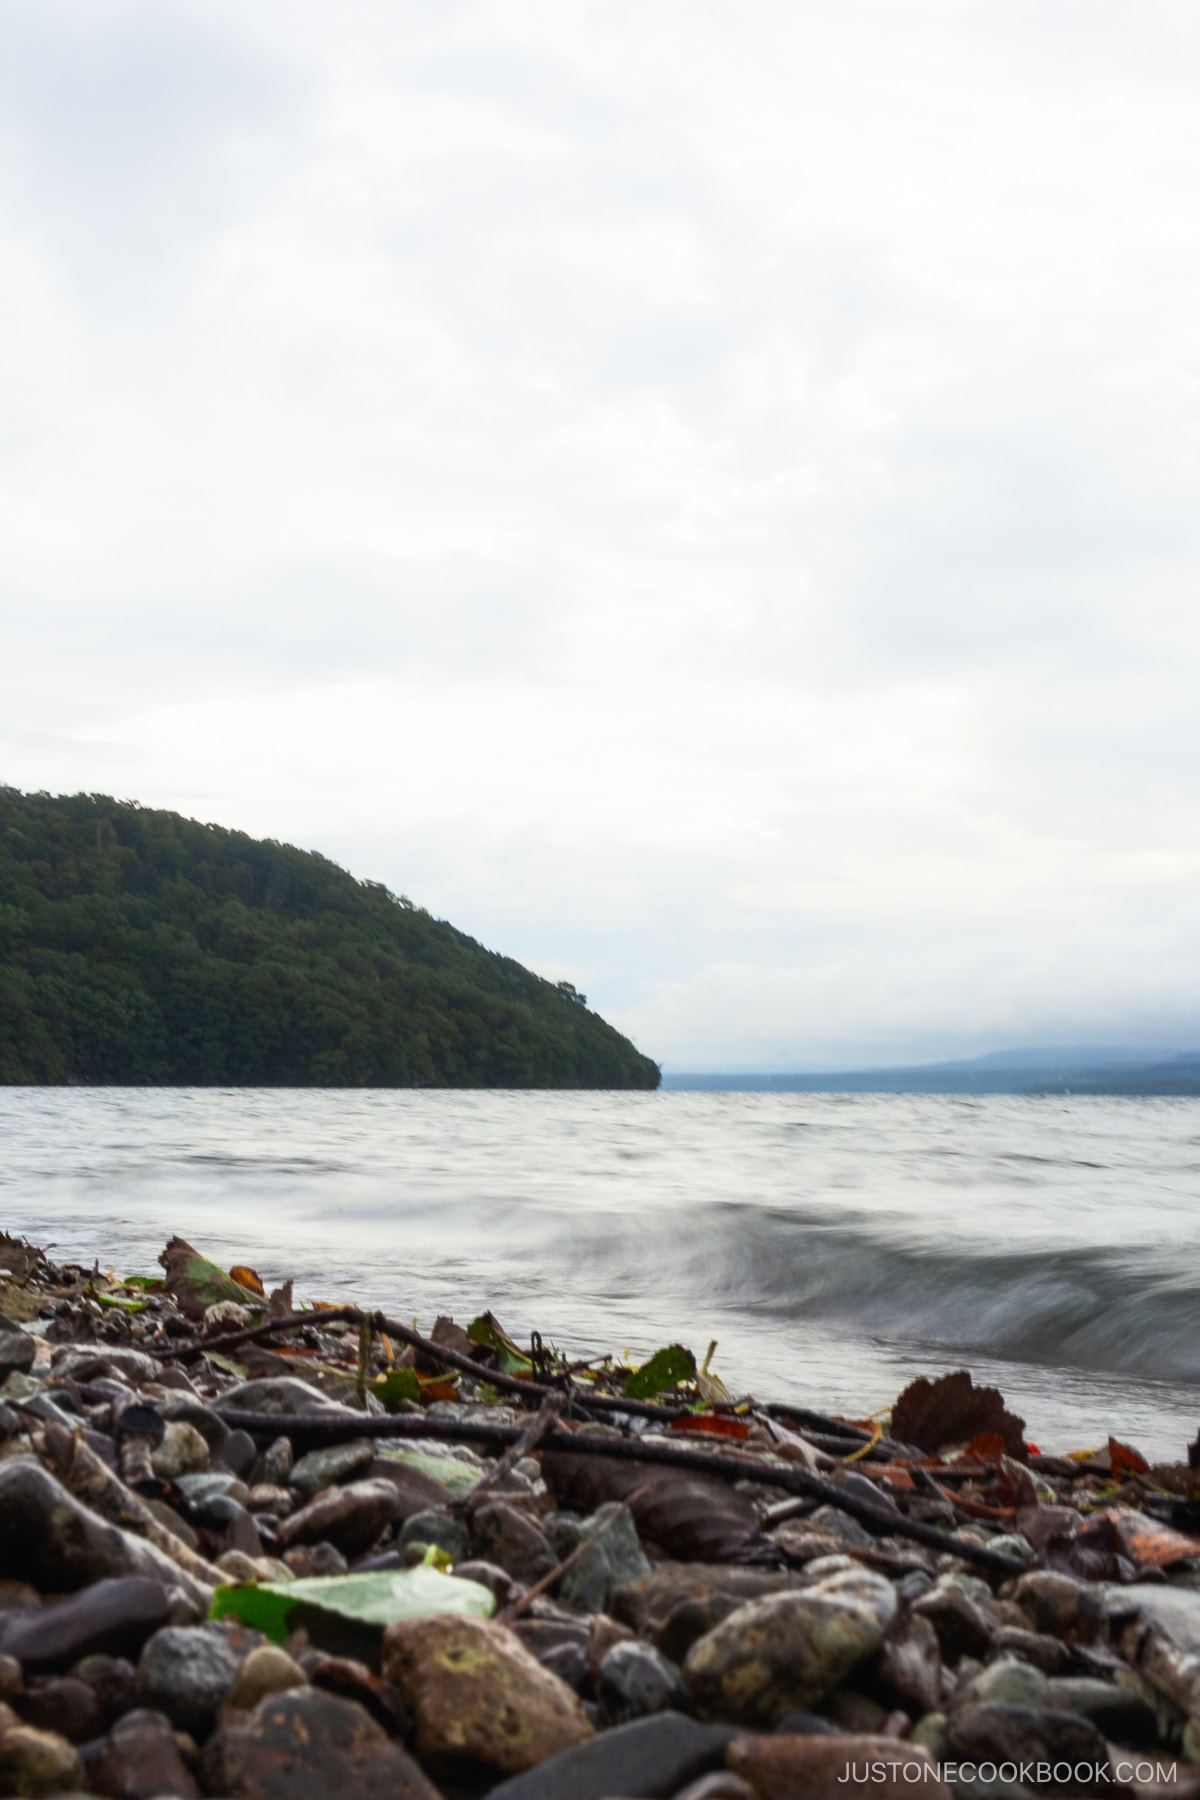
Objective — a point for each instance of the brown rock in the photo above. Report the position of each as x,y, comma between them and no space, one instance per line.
36,1763
500,1534
140,1759
909,1665
11,1677
1060,1606
351,1517
961,1627
267,1670
1045,1653
789,1650
65,1705
678,1602
307,1745
478,1695
828,1768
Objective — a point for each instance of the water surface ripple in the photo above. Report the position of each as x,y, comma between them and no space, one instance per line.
835,1245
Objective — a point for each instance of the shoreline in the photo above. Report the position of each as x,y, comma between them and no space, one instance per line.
633,1564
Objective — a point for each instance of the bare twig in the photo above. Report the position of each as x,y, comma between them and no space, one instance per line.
884,1520
524,1601
546,1417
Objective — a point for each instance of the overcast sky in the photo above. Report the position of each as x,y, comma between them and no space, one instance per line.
706,497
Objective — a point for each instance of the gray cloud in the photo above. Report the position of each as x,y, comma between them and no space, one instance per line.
707,505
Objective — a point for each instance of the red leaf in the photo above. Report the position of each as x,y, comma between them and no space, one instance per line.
713,1424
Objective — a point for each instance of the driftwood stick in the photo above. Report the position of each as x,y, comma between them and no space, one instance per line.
543,1421
883,1519
524,1601
439,1353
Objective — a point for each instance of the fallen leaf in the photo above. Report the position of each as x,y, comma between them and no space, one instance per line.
711,1425
1125,1460
279,1302
987,1445
197,1283
665,1369
1146,1543
373,1599
248,1278
689,1515
952,1410
488,1331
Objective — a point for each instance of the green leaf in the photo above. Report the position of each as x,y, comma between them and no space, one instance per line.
665,1368
373,1599
487,1329
396,1385
149,1283
129,1306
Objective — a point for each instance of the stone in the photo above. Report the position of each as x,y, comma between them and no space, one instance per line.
309,1745
831,1521
17,1349
212,1484
267,1670
276,1501
652,1758
962,1629
63,1704
274,1466
187,1672
722,1786
48,1537
178,1527
34,1762
416,1488
287,1397
1120,1715
12,1678
315,1559
182,1452
210,1425
85,1362
1005,1682
323,1468
498,1582
676,1603
351,1518
501,1534
478,1695
1045,1653
910,1664
823,1768
436,1528
238,1453
998,1734
570,1663
113,1680
1060,1606
612,1560
790,1649
140,1759
114,1616
635,1680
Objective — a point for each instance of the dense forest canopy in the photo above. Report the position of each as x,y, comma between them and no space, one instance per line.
139,947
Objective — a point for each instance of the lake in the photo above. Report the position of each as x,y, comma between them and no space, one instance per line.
833,1245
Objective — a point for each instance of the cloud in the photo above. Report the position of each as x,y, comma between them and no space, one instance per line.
708,506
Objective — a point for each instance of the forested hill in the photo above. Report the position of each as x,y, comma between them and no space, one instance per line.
141,947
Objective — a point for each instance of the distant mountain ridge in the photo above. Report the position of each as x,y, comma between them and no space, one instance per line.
140,948
1112,1072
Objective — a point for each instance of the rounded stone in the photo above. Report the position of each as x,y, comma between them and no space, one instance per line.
790,1649
267,1670
438,1528
182,1452
187,1672
635,1680
37,1763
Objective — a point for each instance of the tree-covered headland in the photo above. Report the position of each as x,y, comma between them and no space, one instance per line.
139,947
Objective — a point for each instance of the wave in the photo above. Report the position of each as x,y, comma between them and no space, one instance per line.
1103,1309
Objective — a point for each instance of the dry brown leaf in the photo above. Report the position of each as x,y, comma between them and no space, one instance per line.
952,1410
689,1515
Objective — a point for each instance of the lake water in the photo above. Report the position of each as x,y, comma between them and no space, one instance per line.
834,1245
